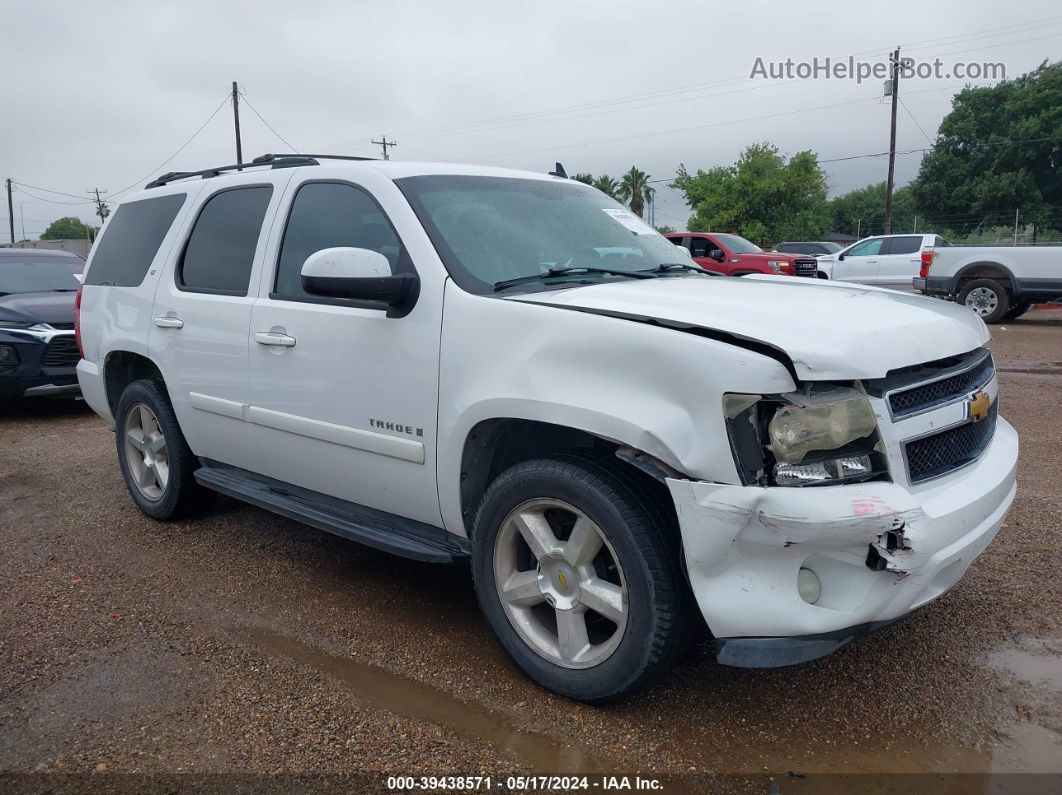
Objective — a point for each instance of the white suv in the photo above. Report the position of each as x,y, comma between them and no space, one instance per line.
464,364
884,260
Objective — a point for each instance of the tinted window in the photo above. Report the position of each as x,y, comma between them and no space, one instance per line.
867,248
905,245
220,250
131,240
940,242
700,246
34,274
328,215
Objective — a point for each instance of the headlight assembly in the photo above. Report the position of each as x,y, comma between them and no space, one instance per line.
824,434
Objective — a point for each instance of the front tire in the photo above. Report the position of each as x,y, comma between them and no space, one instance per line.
155,459
576,568
989,298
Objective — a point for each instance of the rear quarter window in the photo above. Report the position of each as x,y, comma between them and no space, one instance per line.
127,248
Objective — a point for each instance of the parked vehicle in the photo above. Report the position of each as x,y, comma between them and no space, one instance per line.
733,255
37,348
997,282
814,248
883,260
439,361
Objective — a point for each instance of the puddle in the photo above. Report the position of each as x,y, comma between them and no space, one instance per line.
1043,669
412,699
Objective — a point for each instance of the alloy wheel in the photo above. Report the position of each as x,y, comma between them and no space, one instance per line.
982,301
145,452
560,583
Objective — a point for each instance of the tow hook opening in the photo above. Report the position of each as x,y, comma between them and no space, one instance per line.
880,553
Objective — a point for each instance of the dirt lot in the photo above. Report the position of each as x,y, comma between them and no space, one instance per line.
242,642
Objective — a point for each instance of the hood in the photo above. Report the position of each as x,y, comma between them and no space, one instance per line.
50,307
829,330
774,255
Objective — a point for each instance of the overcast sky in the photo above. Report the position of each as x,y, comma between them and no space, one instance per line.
99,94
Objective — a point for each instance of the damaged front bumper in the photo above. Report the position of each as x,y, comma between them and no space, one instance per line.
878,551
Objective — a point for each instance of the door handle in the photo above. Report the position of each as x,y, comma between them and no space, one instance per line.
274,338
169,321
872,262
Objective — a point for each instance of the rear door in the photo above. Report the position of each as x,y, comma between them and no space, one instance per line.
860,263
900,261
347,390
202,311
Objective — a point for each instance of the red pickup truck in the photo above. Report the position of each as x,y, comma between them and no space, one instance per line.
733,255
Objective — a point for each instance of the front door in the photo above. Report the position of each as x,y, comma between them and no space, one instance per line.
860,263
345,398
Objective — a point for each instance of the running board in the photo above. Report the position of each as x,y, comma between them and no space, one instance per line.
378,529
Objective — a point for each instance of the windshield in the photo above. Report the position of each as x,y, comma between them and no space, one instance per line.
493,229
831,248
38,274
737,244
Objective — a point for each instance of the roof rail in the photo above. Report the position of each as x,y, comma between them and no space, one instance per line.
289,160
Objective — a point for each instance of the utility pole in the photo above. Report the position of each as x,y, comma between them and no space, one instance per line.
895,88
10,211
236,120
384,143
102,210
859,225
1016,226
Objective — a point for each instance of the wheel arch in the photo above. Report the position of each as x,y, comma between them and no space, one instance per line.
985,269
121,368
494,445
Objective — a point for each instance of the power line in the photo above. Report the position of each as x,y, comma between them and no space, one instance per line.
267,124
520,119
919,126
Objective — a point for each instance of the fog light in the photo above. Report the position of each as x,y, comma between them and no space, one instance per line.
9,357
808,586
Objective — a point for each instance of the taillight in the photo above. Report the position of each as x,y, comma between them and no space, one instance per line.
927,261
77,320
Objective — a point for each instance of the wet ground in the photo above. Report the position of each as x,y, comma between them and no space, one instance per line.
241,642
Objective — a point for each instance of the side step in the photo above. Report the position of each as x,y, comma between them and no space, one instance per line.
377,529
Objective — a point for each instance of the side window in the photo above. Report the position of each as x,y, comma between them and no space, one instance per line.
330,215
700,246
868,248
125,251
940,242
681,241
905,245
220,251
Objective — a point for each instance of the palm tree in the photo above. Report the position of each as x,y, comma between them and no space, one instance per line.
634,188
606,185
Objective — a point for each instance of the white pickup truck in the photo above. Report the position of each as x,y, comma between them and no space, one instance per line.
997,282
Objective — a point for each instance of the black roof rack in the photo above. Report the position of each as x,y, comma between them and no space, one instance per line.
287,160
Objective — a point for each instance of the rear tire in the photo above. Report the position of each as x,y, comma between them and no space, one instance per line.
989,298
591,617
156,462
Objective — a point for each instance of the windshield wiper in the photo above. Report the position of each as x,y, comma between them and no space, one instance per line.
569,271
669,267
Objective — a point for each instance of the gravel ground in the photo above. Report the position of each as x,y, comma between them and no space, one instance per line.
241,642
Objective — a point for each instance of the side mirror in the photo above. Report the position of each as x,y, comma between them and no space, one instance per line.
840,257
717,254
356,273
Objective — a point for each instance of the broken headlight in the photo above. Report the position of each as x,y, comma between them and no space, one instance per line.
822,434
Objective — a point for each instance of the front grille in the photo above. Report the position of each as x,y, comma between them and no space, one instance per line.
61,352
805,267
936,393
932,456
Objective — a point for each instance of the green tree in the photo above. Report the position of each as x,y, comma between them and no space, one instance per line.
585,178
862,211
665,229
998,150
762,196
635,190
68,228
606,185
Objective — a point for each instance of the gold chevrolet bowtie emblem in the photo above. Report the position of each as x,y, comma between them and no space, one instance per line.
978,406
562,580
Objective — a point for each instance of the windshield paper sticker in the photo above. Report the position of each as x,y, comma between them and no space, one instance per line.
629,220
